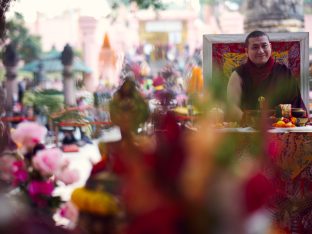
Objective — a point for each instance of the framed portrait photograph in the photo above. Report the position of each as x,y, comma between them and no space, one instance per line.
222,53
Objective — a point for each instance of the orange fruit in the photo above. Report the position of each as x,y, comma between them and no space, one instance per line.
289,125
280,124
293,120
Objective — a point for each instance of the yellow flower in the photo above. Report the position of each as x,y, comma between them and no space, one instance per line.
94,201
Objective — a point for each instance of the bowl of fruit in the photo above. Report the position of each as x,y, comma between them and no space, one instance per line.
284,122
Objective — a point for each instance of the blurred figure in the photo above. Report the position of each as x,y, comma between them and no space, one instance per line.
21,89
148,49
158,84
195,83
148,167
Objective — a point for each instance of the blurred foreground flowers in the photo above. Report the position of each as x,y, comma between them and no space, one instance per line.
34,171
173,169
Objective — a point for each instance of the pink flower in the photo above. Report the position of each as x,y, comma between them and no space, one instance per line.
69,211
40,188
29,134
48,161
68,176
64,163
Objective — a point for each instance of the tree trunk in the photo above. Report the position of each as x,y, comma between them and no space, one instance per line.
274,15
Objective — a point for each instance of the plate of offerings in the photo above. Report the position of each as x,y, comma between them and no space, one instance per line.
300,129
284,122
294,129
292,124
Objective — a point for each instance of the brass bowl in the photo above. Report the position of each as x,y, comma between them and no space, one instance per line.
302,121
298,112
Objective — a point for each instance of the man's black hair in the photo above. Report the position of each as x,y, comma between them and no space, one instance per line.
255,34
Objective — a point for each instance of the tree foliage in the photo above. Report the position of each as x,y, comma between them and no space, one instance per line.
208,2
4,6
142,4
213,2
27,45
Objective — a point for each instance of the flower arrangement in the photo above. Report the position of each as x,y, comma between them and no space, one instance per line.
37,171
96,207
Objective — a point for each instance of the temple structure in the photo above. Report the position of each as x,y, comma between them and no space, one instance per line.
88,27
107,63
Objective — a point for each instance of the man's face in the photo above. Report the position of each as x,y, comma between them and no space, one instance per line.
259,50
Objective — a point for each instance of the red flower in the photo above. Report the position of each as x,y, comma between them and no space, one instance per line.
99,167
40,188
19,171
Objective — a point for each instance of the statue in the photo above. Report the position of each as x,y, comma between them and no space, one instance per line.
10,58
39,75
10,61
67,58
128,109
